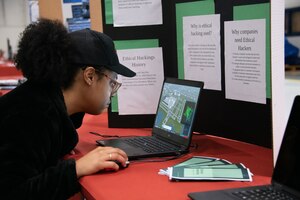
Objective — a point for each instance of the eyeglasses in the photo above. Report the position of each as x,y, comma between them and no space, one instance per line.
115,85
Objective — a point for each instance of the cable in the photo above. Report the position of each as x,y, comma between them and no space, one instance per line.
111,136
163,159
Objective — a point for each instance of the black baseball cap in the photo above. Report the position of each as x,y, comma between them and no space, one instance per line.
96,49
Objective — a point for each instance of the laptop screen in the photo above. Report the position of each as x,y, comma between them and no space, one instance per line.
287,171
177,108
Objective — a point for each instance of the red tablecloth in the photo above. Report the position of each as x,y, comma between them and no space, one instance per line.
141,180
8,71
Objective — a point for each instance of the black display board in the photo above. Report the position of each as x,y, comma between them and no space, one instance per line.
240,120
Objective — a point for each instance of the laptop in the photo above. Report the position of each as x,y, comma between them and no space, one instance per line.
173,124
286,175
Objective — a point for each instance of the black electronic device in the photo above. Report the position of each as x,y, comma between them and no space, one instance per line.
173,125
286,175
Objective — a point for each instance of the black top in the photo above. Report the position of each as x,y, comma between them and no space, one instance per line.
36,132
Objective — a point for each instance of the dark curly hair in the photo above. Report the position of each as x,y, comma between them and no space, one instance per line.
43,53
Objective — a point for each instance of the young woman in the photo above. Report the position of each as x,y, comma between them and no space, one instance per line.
68,74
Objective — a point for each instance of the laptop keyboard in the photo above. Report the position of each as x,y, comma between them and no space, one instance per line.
263,194
150,144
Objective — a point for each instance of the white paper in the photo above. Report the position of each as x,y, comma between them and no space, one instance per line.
201,43
245,60
140,94
34,11
137,12
207,168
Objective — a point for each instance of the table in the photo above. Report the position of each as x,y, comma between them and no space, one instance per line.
141,180
8,71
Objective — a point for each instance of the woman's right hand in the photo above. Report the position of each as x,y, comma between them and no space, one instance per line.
99,159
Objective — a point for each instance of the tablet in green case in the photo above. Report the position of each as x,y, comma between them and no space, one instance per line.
235,172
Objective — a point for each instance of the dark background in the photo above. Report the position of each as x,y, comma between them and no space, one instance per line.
244,121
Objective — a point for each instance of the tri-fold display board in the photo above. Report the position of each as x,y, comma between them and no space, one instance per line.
225,44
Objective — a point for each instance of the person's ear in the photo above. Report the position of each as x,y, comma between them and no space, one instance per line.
89,75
